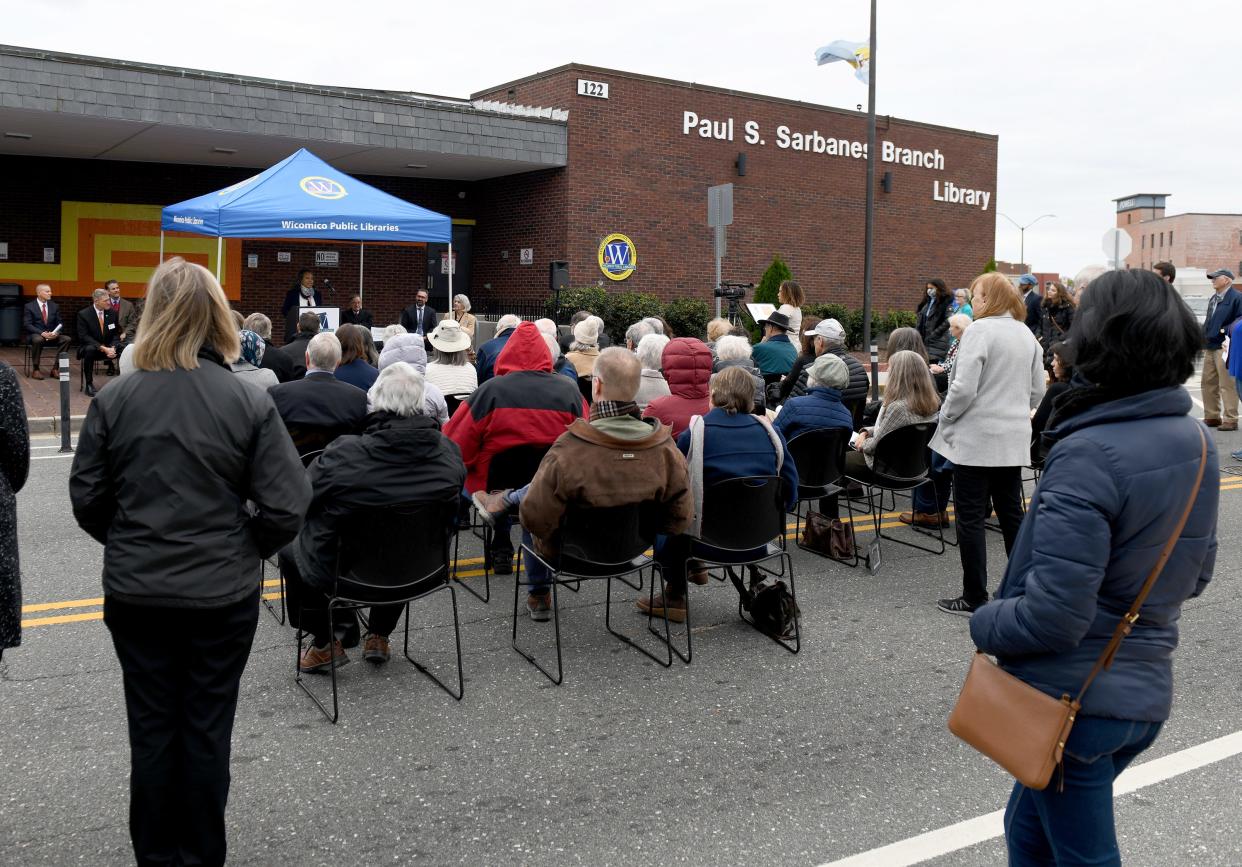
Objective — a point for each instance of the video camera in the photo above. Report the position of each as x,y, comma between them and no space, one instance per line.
732,291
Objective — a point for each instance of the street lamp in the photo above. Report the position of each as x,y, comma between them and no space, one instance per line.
1022,234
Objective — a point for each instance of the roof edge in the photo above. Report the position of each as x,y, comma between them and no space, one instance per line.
691,85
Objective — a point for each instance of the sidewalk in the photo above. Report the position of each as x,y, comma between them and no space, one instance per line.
43,396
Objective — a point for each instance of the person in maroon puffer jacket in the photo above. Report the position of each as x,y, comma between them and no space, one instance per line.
687,366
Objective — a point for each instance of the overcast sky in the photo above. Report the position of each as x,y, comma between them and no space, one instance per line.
1092,100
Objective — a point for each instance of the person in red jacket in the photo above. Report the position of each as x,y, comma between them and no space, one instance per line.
524,404
687,366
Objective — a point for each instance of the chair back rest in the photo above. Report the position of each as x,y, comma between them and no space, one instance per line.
819,456
584,387
514,467
309,438
452,401
857,408
743,513
902,453
400,547
609,535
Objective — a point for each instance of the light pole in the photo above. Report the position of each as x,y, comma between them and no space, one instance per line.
1022,234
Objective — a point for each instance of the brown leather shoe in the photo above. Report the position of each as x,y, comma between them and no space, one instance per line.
676,607
375,649
1227,426
1212,422
318,659
490,506
924,519
37,374
699,575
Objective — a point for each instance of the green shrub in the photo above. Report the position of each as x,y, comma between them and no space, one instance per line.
990,266
687,317
769,285
624,309
592,298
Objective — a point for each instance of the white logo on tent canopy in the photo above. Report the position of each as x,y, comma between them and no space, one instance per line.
322,188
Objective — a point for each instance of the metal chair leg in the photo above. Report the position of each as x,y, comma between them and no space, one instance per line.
486,595
556,622
267,603
668,644
461,680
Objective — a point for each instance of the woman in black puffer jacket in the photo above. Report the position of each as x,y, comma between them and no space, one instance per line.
933,321
1058,317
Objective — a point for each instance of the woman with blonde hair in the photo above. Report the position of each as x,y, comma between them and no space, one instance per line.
985,427
466,321
188,478
791,298
909,398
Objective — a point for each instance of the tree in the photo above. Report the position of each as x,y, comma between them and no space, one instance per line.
990,266
777,273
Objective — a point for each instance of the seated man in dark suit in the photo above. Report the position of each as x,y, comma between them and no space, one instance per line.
354,314
274,360
319,407
97,336
295,349
419,318
399,458
41,325
126,313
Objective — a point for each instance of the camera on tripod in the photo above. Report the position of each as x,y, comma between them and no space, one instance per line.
733,293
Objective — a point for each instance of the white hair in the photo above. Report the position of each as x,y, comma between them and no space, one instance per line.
398,389
636,332
961,320
656,326
553,346
392,331
509,320
259,324
465,302
731,347
323,352
649,351
546,326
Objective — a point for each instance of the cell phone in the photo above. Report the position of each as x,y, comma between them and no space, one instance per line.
854,440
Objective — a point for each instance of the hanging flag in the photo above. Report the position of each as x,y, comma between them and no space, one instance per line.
856,54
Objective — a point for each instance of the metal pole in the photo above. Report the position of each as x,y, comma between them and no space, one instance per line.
63,361
718,281
1022,247
870,230
161,246
875,368
219,253
451,269
362,252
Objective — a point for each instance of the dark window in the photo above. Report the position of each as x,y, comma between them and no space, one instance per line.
1143,243
1162,239
1128,218
1170,238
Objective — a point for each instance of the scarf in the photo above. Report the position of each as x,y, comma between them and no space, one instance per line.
614,409
252,348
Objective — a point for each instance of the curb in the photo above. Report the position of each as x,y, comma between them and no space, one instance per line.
50,424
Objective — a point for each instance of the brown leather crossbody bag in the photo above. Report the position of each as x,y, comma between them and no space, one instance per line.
1022,729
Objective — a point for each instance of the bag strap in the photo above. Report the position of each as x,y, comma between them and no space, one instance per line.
1127,622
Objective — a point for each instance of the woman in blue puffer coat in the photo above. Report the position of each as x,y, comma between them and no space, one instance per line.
1105,506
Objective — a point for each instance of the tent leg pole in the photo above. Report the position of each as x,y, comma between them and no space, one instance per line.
161,246
362,253
219,253
451,270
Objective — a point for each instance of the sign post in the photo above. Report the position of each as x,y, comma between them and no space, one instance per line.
719,215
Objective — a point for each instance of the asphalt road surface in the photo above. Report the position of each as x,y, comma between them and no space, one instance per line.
750,755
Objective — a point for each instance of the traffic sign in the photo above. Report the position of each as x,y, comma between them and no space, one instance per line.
1117,245
720,205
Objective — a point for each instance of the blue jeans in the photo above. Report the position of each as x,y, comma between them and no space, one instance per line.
538,576
501,540
1075,826
934,498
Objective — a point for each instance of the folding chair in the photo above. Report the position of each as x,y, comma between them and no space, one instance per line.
899,465
594,544
452,401
512,468
743,526
819,456
307,459
391,555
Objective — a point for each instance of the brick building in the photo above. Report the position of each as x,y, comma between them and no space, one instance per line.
538,170
1207,241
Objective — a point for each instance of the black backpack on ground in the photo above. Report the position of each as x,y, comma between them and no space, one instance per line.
768,601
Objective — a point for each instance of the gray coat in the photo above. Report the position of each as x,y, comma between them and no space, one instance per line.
14,466
998,378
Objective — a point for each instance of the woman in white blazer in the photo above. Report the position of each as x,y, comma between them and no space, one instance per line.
985,427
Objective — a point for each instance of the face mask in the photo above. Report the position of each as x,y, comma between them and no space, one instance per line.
931,293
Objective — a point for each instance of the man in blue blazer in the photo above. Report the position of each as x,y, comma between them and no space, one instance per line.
1220,393
41,325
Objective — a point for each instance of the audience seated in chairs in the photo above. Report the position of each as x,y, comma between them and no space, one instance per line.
635,333
736,352
525,404
726,443
828,336
652,383
450,370
295,349
273,358
42,326
248,366
775,354
319,407
687,366
909,398
399,458
615,459
98,338
355,367
560,364
585,348
806,354
819,409
411,349
485,357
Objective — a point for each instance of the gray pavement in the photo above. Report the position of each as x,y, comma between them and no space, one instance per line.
750,755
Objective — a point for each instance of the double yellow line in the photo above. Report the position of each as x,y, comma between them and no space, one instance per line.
1230,484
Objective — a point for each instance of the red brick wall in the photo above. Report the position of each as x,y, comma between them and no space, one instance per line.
632,170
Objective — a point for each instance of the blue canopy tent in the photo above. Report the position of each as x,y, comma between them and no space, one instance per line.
304,197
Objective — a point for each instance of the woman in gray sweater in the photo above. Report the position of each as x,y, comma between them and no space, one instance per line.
985,427
909,398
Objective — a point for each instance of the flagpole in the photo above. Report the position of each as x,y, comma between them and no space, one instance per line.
870,221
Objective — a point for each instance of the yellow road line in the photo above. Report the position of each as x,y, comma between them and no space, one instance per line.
63,618
55,606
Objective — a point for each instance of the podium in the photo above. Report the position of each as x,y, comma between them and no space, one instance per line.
329,317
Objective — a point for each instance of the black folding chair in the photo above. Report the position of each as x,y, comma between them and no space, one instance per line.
593,544
584,387
391,555
307,460
743,526
899,465
819,456
512,468
452,401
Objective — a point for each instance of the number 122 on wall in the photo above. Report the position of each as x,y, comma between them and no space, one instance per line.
598,89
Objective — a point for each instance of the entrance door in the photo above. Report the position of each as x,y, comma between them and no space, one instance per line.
437,268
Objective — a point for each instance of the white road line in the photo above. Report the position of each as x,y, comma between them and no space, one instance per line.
933,844
50,457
